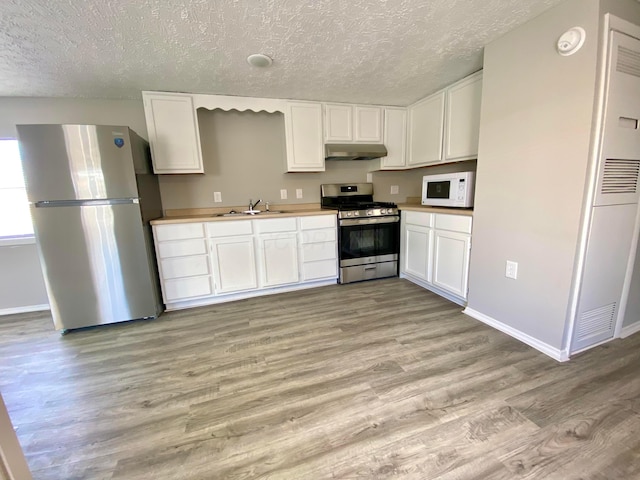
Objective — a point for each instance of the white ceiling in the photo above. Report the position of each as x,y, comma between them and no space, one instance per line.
362,51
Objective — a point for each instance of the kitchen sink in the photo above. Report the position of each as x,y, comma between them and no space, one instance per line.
249,214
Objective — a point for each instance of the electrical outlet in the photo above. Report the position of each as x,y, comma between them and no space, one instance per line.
298,193
395,189
283,194
217,197
369,177
511,270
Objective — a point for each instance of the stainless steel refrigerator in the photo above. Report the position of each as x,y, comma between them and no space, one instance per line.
92,195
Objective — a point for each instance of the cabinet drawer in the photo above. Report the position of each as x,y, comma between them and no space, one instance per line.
179,231
228,229
321,269
312,252
319,236
321,221
182,288
423,219
455,223
275,225
185,266
181,248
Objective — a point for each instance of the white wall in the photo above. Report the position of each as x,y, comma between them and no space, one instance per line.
535,133
21,281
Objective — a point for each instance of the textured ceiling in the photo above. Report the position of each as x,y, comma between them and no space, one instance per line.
363,51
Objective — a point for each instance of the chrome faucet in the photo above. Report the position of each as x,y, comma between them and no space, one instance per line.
252,206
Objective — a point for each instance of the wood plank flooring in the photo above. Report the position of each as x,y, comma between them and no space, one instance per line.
373,380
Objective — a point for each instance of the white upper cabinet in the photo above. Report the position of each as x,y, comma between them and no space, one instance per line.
426,128
368,124
345,123
463,119
303,130
395,139
445,126
173,133
338,123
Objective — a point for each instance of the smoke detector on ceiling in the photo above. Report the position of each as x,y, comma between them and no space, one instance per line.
259,60
571,41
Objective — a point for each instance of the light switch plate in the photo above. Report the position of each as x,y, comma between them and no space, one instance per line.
369,177
395,189
217,197
283,194
298,193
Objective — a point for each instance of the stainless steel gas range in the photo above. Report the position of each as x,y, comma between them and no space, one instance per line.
368,232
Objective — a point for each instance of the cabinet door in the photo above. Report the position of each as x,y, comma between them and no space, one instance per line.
234,264
463,119
395,138
173,133
303,129
417,251
368,124
451,261
338,122
426,126
278,259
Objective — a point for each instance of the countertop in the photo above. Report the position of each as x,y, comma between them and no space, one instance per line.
412,207
212,214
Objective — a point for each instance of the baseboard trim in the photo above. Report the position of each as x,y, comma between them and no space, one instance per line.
432,288
27,309
555,353
231,297
630,330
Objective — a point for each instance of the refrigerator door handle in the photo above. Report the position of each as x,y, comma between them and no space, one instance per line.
85,203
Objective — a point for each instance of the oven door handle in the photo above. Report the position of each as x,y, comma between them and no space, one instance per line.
368,221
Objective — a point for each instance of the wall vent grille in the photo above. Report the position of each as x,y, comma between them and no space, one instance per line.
628,61
620,176
596,322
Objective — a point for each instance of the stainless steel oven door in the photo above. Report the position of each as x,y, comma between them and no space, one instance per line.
369,240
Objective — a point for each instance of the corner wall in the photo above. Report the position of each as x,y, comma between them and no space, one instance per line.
537,110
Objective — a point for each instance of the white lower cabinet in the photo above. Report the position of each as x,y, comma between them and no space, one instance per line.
417,259
183,261
277,251
451,261
278,259
204,263
318,247
434,252
234,264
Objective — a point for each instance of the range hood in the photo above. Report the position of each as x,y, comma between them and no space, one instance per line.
354,151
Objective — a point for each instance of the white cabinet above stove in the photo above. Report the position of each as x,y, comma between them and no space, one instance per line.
344,123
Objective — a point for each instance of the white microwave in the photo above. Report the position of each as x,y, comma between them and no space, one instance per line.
448,189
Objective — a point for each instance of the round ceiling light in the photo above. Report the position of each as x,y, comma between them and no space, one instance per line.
259,60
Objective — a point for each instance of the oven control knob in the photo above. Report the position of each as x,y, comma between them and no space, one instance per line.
382,211
356,214
369,212
349,214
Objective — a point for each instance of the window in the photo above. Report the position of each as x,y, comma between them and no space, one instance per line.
15,219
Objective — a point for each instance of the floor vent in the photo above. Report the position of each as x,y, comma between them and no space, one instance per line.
620,176
596,322
628,61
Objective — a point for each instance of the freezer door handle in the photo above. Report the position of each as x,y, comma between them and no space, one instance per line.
85,203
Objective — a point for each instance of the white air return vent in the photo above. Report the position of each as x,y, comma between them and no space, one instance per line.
628,61
596,322
620,176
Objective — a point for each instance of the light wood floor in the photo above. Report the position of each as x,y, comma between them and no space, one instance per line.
373,380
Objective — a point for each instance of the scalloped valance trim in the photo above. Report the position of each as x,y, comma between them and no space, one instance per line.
241,104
